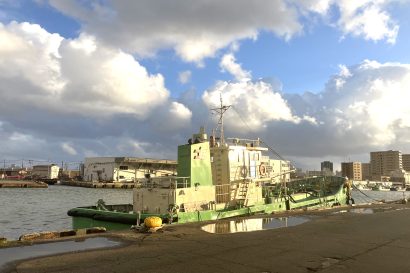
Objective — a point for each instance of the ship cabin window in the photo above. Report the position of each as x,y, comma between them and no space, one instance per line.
124,168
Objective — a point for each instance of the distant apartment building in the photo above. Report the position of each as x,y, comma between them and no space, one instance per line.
366,173
383,163
406,162
326,167
353,170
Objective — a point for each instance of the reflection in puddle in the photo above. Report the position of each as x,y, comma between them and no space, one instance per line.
373,210
366,210
24,252
362,211
255,224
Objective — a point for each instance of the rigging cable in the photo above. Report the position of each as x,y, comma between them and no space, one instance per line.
269,148
371,198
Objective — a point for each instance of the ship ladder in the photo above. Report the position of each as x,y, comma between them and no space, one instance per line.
243,193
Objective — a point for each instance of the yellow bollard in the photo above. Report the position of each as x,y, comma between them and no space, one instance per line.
153,222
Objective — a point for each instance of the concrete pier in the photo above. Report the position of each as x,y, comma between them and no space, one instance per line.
332,241
22,184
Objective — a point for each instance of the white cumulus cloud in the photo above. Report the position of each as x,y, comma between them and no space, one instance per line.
194,31
228,63
368,112
43,71
60,94
198,30
366,18
256,102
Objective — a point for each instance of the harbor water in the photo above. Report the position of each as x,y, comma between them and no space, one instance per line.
32,210
25,210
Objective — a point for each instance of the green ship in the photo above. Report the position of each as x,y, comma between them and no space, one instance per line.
217,179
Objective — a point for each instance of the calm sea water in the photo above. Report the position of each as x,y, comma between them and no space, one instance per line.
372,196
30,210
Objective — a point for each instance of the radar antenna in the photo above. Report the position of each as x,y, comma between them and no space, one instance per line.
220,111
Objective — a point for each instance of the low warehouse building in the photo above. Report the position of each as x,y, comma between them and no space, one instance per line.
126,169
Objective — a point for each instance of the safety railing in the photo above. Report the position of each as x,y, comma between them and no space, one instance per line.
165,182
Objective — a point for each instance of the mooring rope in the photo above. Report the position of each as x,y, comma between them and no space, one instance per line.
381,201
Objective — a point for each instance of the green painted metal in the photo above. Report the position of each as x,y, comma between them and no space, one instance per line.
92,212
184,160
87,222
194,162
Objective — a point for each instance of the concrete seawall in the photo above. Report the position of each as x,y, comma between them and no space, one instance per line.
22,184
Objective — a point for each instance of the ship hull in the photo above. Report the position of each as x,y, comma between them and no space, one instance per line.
116,217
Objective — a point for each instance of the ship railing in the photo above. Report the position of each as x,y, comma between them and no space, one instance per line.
318,185
245,142
166,182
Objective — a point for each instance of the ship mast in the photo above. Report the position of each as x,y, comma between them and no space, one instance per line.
220,111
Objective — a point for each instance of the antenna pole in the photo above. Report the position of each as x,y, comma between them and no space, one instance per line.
220,111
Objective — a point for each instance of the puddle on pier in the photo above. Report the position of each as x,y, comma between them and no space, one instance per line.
255,224
366,210
37,250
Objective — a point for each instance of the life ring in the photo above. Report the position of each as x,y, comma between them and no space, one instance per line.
244,171
262,169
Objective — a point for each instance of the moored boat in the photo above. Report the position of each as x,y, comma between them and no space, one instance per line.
218,179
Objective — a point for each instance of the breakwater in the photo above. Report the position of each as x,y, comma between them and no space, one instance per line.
22,184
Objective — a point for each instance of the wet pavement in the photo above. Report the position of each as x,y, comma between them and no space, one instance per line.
11,254
253,224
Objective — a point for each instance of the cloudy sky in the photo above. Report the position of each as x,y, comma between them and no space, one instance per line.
315,79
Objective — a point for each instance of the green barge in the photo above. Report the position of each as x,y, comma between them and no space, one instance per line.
218,179
213,187
311,193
